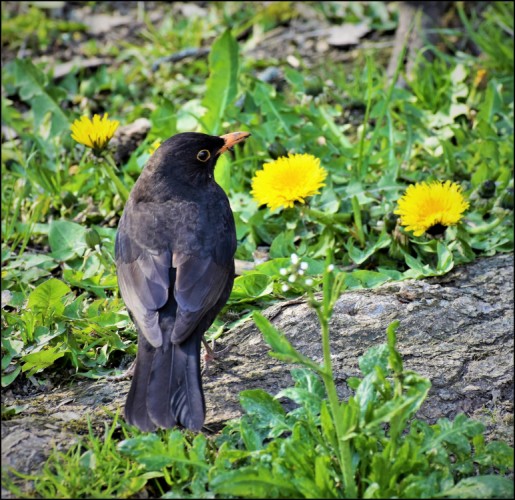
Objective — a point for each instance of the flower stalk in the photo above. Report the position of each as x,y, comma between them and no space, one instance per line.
109,168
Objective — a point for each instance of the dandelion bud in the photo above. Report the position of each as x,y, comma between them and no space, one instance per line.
92,238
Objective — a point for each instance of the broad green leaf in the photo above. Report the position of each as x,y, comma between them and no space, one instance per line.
9,378
282,246
308,392
481,487
370,279
251,286
12,348
38,361
222,84
67,239
46,298
43,97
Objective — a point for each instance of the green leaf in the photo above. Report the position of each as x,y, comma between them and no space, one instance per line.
370,279
222,84
251,286
360,256
67,239
445,259
223,173
481,487
374,356
46,298
38,361
43,98
265,412
263,94
11,377
282,246
281,347
253,482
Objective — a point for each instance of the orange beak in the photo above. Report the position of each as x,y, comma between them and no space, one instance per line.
232,139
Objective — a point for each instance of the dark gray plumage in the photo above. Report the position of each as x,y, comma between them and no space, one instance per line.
175,263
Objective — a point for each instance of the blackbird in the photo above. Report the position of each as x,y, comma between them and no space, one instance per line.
174,253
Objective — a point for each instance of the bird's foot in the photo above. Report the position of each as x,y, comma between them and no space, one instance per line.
123,376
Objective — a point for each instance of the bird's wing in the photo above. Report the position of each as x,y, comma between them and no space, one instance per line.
144,281
200,283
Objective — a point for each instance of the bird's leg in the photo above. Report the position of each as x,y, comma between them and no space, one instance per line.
125,375
211,354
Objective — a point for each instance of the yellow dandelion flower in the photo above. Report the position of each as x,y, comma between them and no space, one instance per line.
96,133
152,148
288,179
429,207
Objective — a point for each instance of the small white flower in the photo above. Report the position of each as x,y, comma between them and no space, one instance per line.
304,265
283,271
294,258
292,278
309,282
285,288
300,272
330,268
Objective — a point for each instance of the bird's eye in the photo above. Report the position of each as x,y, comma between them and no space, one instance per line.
203,155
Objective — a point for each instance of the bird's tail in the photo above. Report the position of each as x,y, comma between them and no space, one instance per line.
167,387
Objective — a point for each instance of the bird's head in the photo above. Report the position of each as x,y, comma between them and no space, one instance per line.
191,157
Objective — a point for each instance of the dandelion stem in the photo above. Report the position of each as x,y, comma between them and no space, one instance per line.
324,314
485,228
110,170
